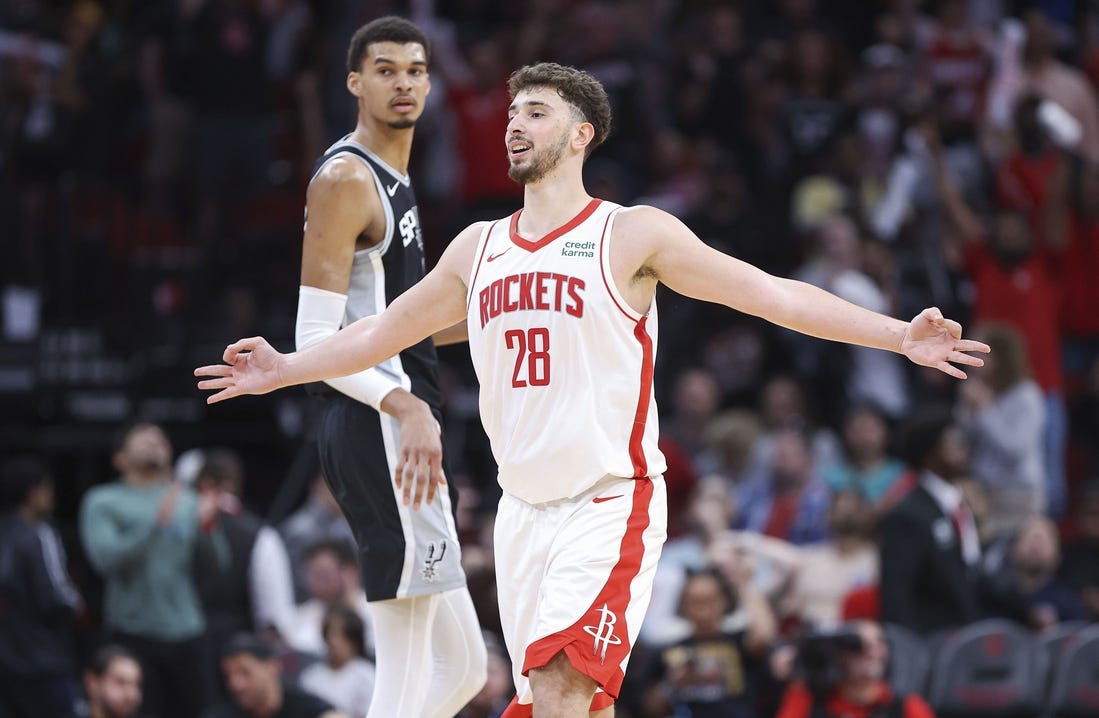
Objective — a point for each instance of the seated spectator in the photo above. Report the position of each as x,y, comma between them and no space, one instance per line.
112,683
1003,413
930,549
333,578
731,439
712,672
859,690
789,501
254,592
1080,569
345,678
929,542
38,603
711,512
1032,567
866,466
828,571
318,519
251,672
783,404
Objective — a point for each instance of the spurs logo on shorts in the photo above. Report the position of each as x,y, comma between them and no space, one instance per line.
429,572
604,632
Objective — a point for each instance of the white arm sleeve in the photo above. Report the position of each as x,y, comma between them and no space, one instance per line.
320,314
269,577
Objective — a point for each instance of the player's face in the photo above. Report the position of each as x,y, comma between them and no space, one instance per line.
392,83
540,128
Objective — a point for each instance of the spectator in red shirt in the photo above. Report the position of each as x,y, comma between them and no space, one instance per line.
1072,230
861,691
1017,283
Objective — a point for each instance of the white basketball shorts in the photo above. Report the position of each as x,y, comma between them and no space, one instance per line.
576,576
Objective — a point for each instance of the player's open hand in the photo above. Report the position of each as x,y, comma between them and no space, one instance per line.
251,367
419,470
935,341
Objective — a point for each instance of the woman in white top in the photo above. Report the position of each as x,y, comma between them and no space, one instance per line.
345,678
1003,412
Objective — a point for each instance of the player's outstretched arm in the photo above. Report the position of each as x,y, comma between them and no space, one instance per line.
436,302
687,265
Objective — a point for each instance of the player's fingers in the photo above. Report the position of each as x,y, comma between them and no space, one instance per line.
951,326
967,359
423,477
932,314
227,393
968,345
951,370
242,345
398,472
219,383
437,479
409,480
214,370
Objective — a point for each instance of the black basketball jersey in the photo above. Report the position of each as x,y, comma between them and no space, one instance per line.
383,272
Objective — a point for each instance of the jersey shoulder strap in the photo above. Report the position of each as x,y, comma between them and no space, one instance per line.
338,149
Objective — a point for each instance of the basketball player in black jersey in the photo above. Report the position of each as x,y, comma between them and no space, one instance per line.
379,437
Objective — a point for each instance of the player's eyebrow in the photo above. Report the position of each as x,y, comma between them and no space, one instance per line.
528,103
383,59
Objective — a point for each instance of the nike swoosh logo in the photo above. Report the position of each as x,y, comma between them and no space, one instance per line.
392,190
497,256
601,499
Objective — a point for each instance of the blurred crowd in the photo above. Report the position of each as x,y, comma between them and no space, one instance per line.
901,154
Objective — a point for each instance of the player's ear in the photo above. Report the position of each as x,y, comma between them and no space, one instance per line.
585,133
354,83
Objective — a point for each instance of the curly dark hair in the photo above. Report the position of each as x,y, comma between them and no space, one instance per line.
578,88
385,29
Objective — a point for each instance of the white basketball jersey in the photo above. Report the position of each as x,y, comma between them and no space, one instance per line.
565,365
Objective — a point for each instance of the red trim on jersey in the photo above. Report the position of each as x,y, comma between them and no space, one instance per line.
534,246
477,267
600,701
601,660
516,709
637,452
603,271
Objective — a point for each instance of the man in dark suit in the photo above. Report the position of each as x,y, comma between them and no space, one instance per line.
930,550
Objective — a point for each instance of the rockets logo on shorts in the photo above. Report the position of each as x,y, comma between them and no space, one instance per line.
603,633
429,573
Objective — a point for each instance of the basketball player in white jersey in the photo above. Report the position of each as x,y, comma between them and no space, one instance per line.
379,438
558,301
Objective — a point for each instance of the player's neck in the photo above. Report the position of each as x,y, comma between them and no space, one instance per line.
393,146
551,203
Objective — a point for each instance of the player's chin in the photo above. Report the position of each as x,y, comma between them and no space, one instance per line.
404,123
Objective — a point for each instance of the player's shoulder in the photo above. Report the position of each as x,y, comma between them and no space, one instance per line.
644,224
644,216
342,173
472,233
460,252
